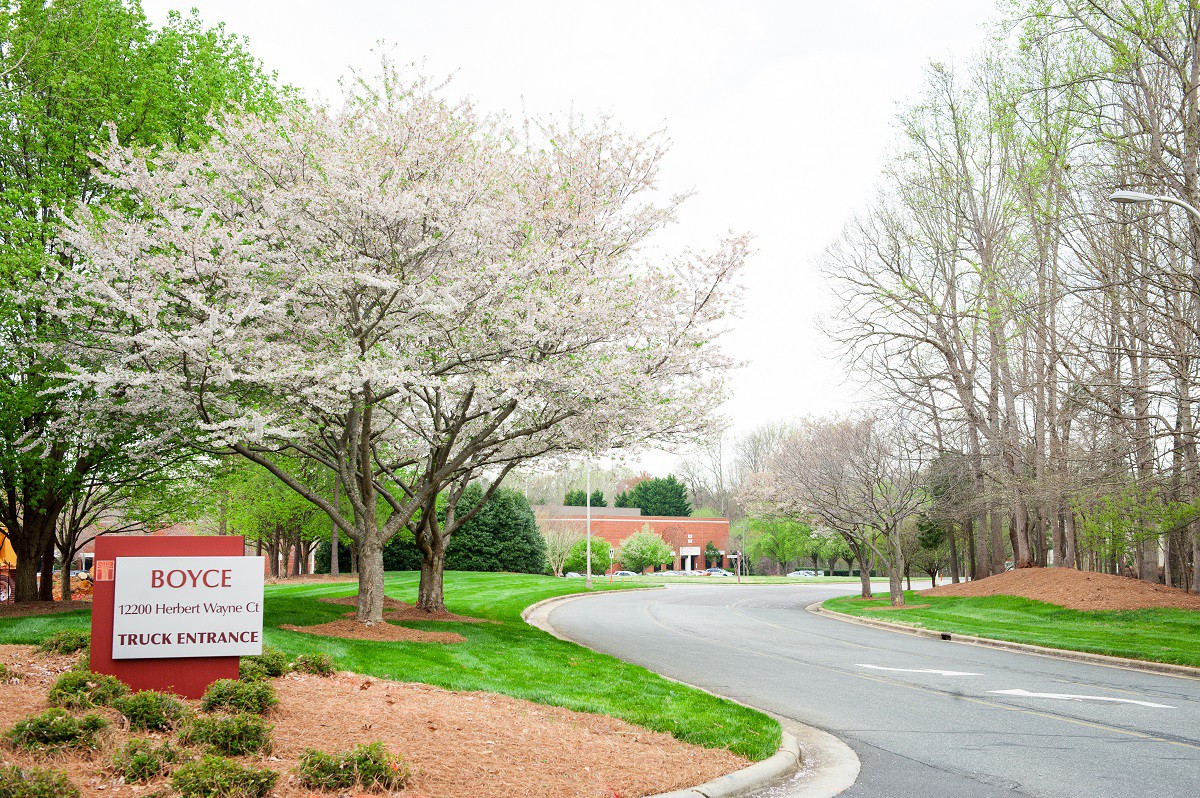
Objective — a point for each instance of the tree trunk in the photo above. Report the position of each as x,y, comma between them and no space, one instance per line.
953,558
430,593
370,580
333,535
996,554
46,584
971,549
864,573
66,581
897,569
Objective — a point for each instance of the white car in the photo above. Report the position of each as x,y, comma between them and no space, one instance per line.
624,573
803,573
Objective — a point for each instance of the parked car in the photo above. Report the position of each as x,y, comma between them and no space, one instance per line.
625,573
718,572
572,575
802,573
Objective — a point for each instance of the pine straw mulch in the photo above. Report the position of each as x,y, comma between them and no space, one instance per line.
381,632
393,610
457,744
29,608
1076,590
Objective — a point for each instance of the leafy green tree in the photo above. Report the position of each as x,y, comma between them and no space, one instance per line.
598,499
644,549
712,555
780,540
72,73
622,499
502,536
273,517
661,496
577,560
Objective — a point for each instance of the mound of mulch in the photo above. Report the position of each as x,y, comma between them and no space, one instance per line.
395,610
380,632
1076,590
29,608
457,744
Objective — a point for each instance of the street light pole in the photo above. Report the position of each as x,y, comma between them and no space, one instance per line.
588,583
1127,197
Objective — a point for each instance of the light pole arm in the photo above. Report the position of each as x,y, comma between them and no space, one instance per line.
1186,206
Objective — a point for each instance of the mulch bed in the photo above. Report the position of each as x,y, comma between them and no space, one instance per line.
26,609
395,610
382,632
1076,590
457,744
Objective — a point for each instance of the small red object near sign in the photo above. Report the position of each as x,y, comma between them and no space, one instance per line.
104,570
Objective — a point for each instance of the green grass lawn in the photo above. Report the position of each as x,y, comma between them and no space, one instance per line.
1159,635
507,656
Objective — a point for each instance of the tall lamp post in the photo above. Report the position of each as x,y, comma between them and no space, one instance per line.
588,583
1127,197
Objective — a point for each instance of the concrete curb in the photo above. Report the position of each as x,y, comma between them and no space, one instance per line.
1163,668
831,767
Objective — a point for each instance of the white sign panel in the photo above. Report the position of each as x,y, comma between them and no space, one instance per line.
694,551
187,607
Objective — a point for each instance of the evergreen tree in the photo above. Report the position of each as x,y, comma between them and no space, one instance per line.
598,499
663,496
502,536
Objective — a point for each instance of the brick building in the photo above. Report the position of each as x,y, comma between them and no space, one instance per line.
687,537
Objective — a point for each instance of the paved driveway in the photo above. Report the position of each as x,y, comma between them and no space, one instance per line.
926,717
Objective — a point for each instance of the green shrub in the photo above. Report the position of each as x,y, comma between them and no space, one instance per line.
318,664
35,783
251,670
83,663
55,729
369,767
239,696
66,641
139,760
272,660
151,711
217,777
232,735
84,690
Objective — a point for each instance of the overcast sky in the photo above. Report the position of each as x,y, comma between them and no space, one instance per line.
780,113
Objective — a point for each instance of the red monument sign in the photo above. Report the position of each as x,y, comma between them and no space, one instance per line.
175,613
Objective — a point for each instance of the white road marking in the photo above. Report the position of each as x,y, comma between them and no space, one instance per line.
1072,697
917,670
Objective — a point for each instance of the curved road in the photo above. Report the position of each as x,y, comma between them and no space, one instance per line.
917,733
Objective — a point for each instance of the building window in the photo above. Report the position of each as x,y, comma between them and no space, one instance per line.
689,538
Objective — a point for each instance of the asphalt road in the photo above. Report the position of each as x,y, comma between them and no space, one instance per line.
916,733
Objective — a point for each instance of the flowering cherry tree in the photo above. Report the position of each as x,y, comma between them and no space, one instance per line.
405,293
